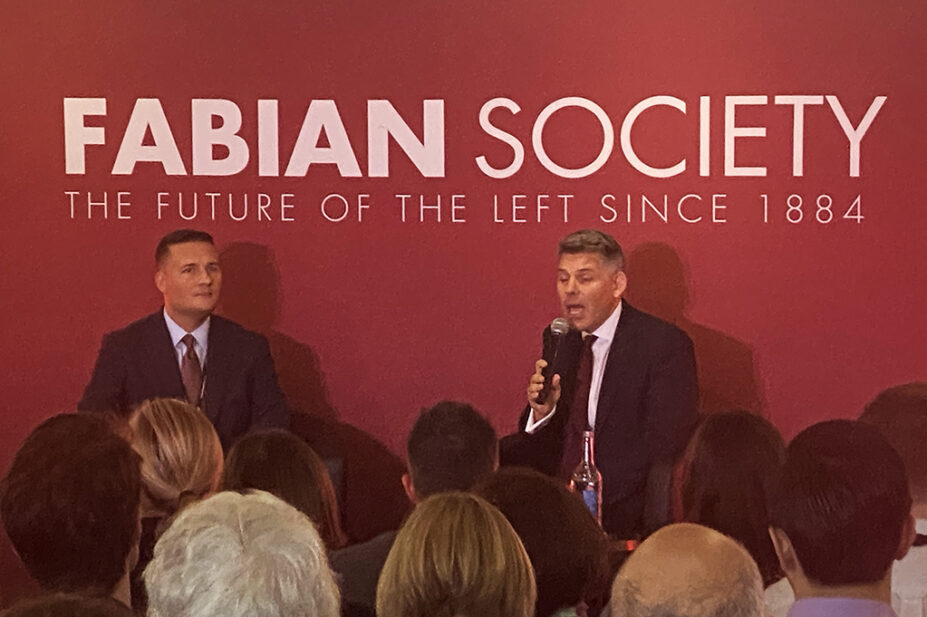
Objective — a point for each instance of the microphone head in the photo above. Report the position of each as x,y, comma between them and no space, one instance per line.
559,326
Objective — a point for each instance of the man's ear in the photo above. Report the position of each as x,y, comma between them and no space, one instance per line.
159,279
409,488
908,533
621,283
788,561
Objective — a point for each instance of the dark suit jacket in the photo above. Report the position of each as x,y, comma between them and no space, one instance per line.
646,411
139,362
358,569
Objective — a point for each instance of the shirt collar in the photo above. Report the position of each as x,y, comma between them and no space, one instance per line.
840,607
201,333
606,332
920,525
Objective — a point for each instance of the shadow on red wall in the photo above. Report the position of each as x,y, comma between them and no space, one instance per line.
372,496
658,283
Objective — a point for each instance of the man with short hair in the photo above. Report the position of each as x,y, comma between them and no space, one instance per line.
70,506
450,447
900,414
687,570
840,515
627,375
184,351
235,555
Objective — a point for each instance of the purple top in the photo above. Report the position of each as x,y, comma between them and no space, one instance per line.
840,607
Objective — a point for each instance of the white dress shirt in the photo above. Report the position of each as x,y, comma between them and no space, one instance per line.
604,334
909,579
200,334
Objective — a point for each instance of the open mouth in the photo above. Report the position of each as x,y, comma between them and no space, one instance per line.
574,310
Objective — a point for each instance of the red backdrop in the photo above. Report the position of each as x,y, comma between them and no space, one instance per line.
373,319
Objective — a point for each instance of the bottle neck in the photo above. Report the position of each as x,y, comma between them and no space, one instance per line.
588,447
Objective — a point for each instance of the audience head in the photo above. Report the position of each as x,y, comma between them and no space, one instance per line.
451,446
69,605
900,414
687,570
181,455
284,465
70,505
456,556
567,548
728,466
235,555
840,512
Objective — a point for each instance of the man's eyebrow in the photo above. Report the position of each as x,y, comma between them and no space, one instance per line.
580,271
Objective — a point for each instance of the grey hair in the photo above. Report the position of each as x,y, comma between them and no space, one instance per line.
743,597
593,241
241,555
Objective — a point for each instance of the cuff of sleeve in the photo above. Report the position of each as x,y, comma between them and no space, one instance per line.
532,426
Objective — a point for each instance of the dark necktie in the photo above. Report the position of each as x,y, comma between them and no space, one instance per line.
579,411
190,371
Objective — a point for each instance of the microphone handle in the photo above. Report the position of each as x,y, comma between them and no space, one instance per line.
548,372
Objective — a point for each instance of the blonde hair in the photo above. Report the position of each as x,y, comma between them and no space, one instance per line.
181,455
456,556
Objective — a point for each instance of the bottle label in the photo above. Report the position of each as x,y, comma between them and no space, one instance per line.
591,499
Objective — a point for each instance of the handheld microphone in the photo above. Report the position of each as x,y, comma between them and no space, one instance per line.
558,328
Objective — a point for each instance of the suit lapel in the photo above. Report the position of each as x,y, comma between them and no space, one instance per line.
159,353
216,372
616,365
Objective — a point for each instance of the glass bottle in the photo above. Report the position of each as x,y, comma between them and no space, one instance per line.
586,479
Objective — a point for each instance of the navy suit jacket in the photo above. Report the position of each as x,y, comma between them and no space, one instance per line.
139,362
647,408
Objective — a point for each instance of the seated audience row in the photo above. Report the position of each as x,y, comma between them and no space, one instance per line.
832,512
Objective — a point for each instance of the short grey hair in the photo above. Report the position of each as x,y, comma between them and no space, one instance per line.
744,598
241,555
593,241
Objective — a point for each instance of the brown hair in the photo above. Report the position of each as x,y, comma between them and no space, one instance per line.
728,468
570,558
281,463
70,504
900,414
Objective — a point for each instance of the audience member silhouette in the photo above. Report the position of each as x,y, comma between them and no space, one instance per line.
70,506
568,549
456,556
181,463
727,469
450,447
687,570
900,414
234,555
840,515
283,464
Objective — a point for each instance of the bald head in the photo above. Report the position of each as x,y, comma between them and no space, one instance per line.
687,570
